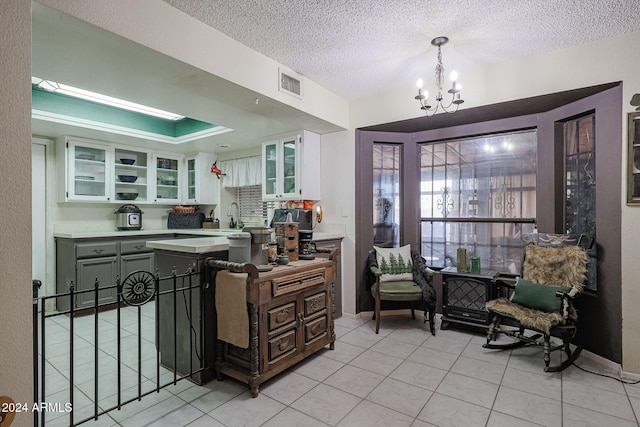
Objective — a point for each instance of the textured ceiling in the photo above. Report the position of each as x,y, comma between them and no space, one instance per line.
357,48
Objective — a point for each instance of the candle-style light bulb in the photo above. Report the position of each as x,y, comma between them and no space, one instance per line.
419,84
453,76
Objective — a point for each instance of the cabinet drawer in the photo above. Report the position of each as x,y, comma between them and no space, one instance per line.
134,247
290,243
286,229
282,345
281,316
315,329
315,303
292,253
93,250
298,281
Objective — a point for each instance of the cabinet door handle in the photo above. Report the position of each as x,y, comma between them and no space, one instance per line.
138,247
98,251
300,319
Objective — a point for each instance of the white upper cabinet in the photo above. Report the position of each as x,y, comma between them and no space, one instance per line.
87,171
95,171
291,167
166,172
202,187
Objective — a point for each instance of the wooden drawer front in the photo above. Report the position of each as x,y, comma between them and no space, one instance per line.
298,281
93,250
315,329
292,253
281,316
315,303
287,229
290,243
282,344
134,247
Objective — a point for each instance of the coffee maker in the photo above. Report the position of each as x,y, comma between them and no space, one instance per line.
306,246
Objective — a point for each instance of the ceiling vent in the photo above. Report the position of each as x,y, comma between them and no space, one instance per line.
290,83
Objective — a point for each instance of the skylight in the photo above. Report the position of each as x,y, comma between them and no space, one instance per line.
52,86
67,105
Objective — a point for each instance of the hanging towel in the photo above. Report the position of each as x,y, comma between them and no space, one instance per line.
231,307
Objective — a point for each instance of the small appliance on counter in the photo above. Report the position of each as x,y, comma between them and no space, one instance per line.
260,237
128,217
306,247
184,220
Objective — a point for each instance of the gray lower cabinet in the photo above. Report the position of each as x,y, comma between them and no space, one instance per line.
104,270
180,329
135,256
83,261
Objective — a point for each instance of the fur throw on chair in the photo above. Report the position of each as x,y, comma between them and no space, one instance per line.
556,266
551,266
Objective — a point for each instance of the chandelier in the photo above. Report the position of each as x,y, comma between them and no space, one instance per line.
423,96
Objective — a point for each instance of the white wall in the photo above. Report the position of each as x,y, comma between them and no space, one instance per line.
15,219
338,204
156,24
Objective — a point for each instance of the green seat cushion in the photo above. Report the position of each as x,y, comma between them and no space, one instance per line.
401,290
538,297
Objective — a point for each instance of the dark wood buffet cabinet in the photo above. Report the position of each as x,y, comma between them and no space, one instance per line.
290,311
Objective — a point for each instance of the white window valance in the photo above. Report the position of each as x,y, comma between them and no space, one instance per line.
241,172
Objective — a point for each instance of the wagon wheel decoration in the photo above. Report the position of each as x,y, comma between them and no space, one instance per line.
138,288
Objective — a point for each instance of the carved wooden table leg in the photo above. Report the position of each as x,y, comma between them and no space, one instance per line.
332,332
255,358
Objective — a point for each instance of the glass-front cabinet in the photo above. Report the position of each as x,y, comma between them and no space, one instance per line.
291,167
96,171
88,172
270,169
167,177
131,175
281,160
191,179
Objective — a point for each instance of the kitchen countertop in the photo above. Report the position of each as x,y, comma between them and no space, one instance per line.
201,245
222,232
195,245
144,232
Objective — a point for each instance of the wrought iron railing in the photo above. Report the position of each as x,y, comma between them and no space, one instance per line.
133,293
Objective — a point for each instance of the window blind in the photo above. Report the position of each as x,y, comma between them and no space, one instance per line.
250,202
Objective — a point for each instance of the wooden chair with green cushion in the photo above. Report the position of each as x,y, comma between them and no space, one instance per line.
553,273
399,278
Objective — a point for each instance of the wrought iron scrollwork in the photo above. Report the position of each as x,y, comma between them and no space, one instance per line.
138,288
445,203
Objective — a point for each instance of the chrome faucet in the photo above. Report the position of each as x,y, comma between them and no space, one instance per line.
238,224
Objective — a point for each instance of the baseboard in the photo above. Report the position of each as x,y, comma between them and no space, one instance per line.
613,366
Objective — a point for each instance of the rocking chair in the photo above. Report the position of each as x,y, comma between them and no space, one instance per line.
553,274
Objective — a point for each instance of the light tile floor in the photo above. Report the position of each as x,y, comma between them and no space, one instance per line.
402,376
